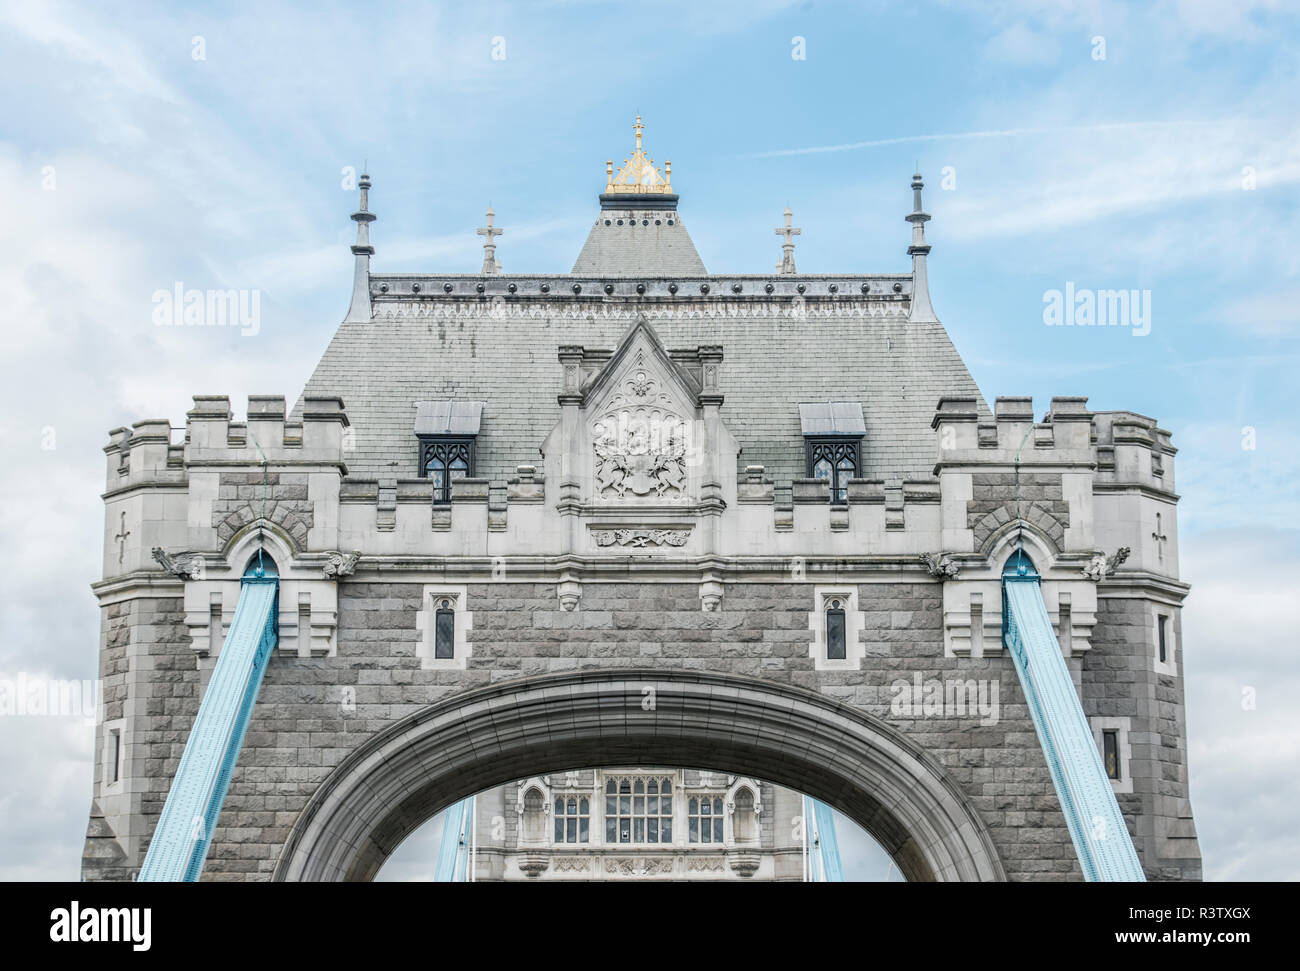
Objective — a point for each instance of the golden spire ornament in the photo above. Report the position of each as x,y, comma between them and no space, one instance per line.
638,174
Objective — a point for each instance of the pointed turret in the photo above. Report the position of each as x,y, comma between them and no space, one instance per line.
918,217
359,311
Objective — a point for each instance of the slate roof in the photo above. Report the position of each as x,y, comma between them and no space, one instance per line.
502,350
653,242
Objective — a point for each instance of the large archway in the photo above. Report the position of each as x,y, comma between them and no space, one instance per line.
426,761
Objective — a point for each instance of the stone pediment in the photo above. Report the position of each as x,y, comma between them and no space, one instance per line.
640,414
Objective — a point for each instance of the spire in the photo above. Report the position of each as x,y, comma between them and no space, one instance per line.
359,311
490,233
918,217
787,248
638,174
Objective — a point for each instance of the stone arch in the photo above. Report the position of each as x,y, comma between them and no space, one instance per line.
423,763
1038,533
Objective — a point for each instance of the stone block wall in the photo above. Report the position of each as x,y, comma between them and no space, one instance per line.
313,711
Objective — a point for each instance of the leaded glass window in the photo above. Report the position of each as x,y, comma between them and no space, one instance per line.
835,646
834,461
444,626
572,819
704,818
1110,752
639,809
444,460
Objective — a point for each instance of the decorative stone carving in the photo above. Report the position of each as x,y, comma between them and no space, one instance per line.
570,592
534,864
629,866
940,565
572,864
1104,566
644,454
744,864
640,538
704,864
341,564
710,594
187,566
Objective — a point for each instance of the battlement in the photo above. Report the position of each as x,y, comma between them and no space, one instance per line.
212,438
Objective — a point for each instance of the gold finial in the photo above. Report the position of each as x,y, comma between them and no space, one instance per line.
638,174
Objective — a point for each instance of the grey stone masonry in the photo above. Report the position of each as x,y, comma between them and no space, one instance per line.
637,569
706,586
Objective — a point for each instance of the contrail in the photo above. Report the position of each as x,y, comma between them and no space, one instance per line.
996,133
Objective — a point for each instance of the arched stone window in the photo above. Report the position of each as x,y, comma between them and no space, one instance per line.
444,627
835,642
744,823
534,816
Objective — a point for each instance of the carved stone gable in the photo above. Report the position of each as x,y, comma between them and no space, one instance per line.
640,422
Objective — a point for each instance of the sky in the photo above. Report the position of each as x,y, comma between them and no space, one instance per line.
1149,147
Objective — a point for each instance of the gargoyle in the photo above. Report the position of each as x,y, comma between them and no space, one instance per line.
940,565
1103,565
184,565
341,564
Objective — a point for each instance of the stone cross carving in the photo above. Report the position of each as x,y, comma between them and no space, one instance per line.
121,536
787,248
1160,537
490,264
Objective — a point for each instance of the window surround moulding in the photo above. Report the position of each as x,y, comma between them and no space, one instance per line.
854,624
1170,665
1123,747
426,625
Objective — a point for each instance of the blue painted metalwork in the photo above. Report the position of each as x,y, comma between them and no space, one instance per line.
453,861
1092,813
184,831
823,847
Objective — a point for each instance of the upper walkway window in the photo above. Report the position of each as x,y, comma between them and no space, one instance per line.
833,433
447,432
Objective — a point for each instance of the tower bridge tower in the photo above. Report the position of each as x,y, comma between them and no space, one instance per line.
577,527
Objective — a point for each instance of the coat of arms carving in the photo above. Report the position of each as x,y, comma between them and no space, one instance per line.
640,451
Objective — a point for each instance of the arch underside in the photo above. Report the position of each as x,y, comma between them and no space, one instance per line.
423,763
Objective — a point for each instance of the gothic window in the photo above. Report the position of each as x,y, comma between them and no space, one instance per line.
1110,752
1162,633
639,809
444,460
835,646
704,818
572,819
444,636
744,817
534,810
834,461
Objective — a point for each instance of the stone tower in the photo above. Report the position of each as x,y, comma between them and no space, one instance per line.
641,515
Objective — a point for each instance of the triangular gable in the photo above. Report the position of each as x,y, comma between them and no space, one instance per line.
641,339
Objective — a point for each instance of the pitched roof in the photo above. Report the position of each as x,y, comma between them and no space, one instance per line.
629,241
433,345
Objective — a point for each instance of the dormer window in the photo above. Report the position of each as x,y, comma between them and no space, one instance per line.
833,432
444,460
447,432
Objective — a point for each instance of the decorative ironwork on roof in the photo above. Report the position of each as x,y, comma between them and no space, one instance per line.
639,174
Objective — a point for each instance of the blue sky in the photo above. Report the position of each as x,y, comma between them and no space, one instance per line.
127,165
